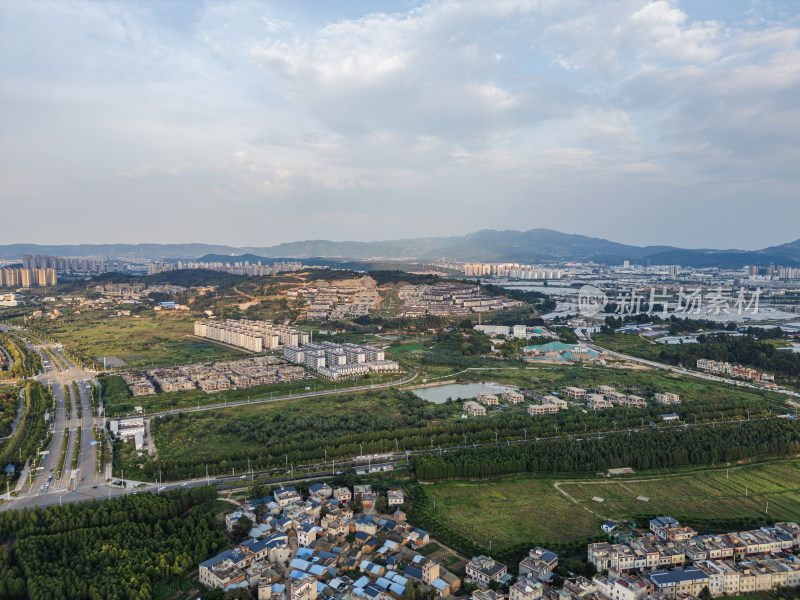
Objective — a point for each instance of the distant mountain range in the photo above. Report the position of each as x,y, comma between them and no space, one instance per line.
532,246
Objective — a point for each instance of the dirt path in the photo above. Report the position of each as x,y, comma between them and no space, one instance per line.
557,485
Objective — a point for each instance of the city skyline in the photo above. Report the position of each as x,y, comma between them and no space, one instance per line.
640,122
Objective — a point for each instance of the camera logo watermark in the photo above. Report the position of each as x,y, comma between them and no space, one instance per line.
591,300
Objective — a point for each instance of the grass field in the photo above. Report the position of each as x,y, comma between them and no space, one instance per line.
522,509
138,341
510,511
701,494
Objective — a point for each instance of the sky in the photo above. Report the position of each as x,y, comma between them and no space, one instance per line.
256,123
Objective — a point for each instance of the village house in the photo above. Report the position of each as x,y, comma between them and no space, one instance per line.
395,497
526,588
483,569
539,563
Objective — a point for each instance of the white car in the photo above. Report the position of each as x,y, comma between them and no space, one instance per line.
163,488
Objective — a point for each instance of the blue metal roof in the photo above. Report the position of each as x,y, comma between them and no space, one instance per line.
439,584
218,558
299,563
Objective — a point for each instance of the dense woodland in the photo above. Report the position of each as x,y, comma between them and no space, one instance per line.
116,549
8,408
400,421
25,362
464,341
744,350
657,449
32,428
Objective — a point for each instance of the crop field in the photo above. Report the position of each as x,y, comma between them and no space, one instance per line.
138,341
510,511
522,509
741,491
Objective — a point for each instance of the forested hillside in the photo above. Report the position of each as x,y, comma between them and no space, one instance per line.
119,548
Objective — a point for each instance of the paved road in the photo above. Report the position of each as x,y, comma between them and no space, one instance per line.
58,373
57,424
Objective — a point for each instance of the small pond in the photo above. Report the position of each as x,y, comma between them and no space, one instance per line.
441,393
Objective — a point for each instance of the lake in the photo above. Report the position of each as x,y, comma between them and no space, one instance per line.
441,393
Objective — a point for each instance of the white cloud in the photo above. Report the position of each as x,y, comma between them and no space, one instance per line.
472,113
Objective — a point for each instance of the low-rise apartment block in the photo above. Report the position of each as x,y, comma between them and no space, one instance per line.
340,361
736,371
474,409
449,299
597,402
575,393
488,399
255,336
343,299
513,396
224,375
667,398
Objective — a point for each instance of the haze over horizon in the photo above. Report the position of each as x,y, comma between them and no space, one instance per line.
234,244
256,123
